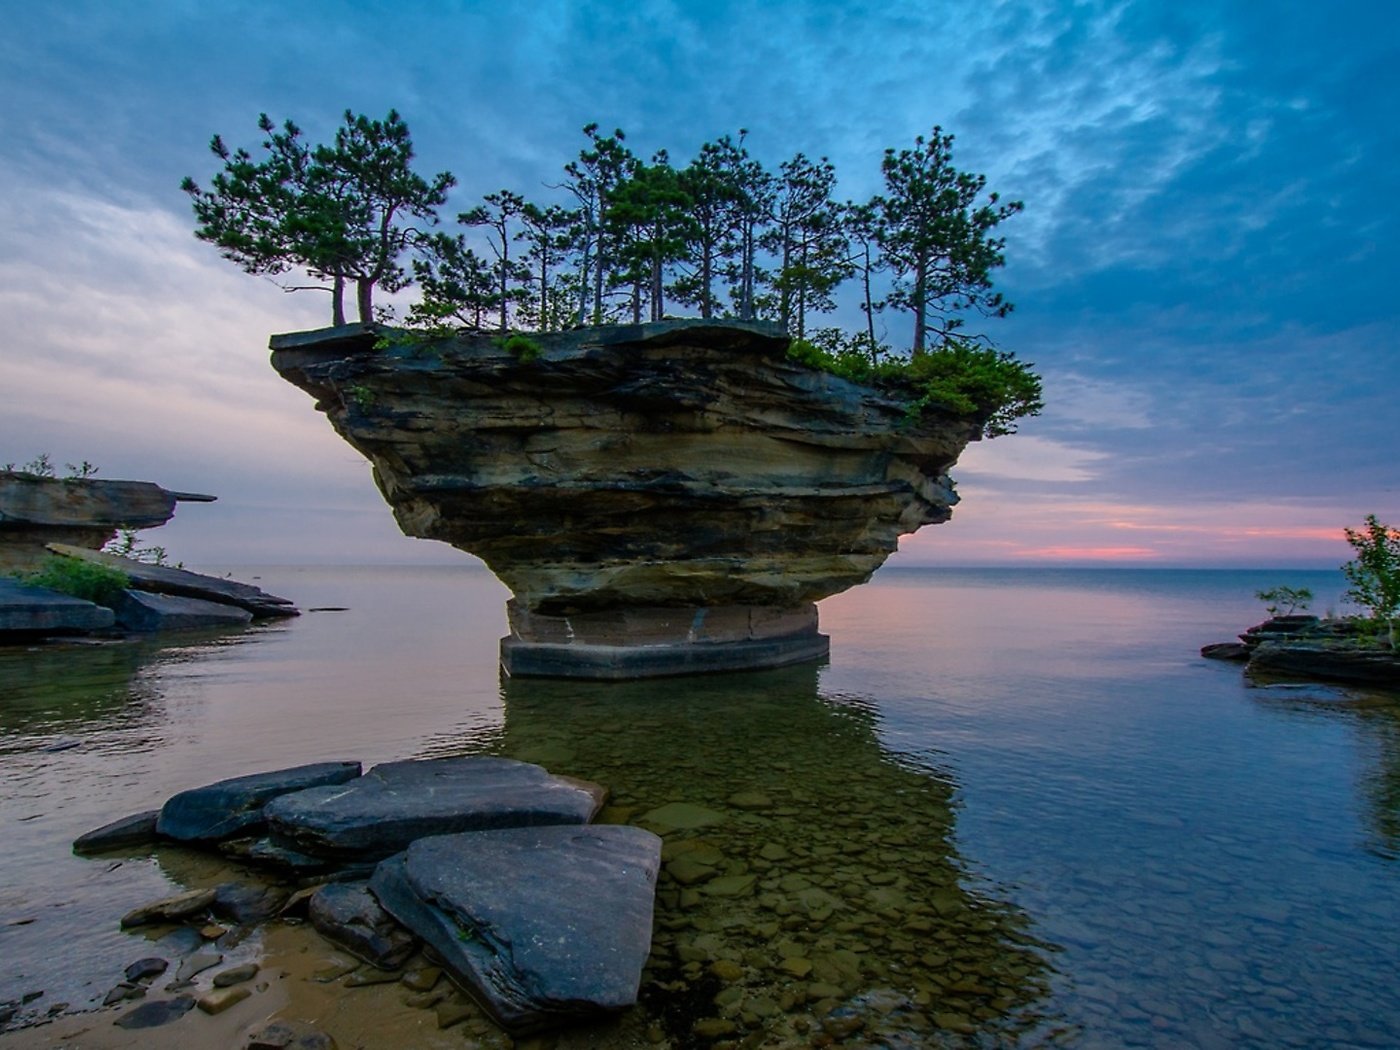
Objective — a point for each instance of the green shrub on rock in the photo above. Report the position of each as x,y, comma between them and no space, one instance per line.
989,385
80,579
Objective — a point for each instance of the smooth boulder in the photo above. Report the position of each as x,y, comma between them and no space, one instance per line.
349,915
135,831
397,802
234,807
546,925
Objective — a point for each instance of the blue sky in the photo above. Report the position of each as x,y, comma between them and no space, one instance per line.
1204,272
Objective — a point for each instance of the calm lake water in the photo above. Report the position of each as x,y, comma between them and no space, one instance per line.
1015,808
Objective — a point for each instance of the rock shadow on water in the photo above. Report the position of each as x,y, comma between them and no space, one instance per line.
811,889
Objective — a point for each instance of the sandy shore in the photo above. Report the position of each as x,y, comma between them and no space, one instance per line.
371,1017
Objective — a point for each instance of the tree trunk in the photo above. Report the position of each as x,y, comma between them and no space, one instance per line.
869,305
658,304
920,322
707,278
364,299
598,281
338,300
540,321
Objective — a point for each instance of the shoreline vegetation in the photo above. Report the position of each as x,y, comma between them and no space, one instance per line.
1360,649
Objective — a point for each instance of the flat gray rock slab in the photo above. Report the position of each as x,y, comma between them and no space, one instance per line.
137,830
143,611
163,579
546,925
234,807
26,608
397,802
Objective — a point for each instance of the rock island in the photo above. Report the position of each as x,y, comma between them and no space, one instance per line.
661,498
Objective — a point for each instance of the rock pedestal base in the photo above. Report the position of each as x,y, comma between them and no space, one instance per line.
659,641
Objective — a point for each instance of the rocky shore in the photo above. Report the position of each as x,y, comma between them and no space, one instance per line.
484,871
65,521
1308,647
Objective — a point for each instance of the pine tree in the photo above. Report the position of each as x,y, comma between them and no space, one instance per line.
936,239
341,212
808,239
499,216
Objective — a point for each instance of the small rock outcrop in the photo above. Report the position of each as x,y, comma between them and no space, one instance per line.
86,512
181,583
546,925
1302,646
41,517
490,861
660,498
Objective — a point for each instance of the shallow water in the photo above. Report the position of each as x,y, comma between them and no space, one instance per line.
1014,809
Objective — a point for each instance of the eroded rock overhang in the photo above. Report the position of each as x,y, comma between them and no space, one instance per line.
656,476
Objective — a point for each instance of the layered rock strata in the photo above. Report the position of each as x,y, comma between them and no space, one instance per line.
85,512
660,498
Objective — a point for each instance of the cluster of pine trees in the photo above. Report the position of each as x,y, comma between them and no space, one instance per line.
721,236
634,239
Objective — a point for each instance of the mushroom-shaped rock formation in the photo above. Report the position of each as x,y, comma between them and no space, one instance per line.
84,512
661,498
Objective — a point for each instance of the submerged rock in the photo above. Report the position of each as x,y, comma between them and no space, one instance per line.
156,1012
144,969
545,924
290,1035
397,802
234,807
169,909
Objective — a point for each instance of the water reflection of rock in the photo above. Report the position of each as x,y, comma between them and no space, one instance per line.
811,888
72,687
82,687
1376,716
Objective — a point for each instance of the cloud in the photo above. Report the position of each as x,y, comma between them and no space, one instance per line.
1203,273
1030,459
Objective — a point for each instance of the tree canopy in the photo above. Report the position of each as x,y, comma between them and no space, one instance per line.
630,239
339,211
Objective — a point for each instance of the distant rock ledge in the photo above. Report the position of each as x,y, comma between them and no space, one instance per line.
43,518
1301,646
661,498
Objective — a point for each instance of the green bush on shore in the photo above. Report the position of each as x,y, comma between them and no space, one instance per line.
80,579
